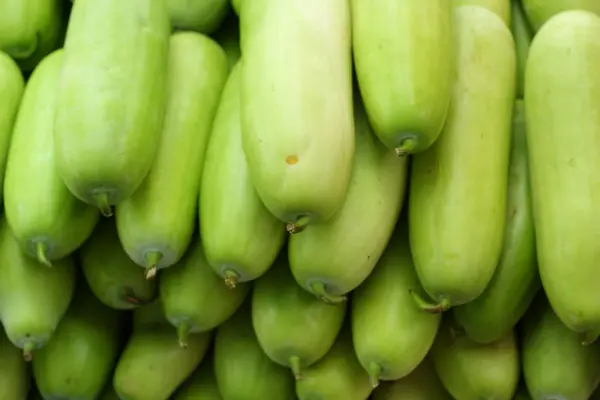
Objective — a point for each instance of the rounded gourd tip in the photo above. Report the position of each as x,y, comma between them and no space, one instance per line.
231,278
295,367
152,259
318,288
28,351
298,226
101,201
432,308
375,372
41,250
407,147
589,337
183,332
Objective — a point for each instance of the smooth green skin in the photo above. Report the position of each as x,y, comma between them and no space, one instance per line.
516,280
473,371
14,373
243,371
555,363
39,208
79,358
337,376
228,37
388,328
110,108
462,179
403,52
113,277
153,349
523,36
421,384
203,16
363,225
33,298
195,299
238,233
296,105
289,321
540,11
563,96
501,8
12,87
202,384
31,29
161,215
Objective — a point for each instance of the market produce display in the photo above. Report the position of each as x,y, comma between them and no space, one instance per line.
299,199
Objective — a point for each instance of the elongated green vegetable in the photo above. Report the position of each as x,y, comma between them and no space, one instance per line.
403,56
338,375
49,222
12,84
364,223
152,347
111,97
15,380
391,334
555,364
461,180
243,371
241,238
113,277
293,327
563,129
33,299
195,300
473,371
516,280
156,223
296,106
85,345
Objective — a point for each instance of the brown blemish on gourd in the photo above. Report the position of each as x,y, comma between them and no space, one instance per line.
291,160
